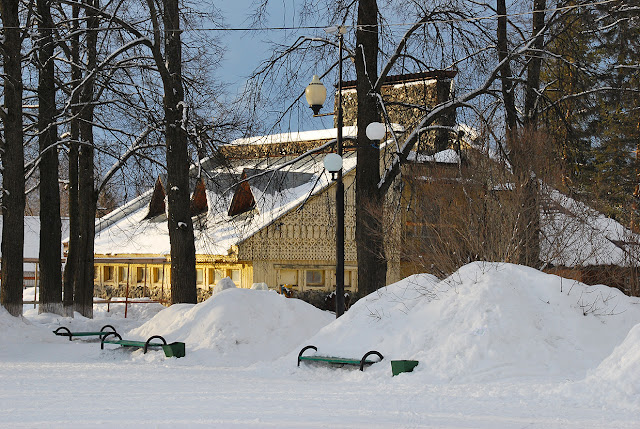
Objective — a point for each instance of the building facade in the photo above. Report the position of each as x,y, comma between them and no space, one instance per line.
261,213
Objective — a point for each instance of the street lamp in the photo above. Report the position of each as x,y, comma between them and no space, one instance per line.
333,164
316,93
315,98
376,131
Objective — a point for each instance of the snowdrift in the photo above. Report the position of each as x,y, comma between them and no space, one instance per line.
237,327
617,378
16,329
486,322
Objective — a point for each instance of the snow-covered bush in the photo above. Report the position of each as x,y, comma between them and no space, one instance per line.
260,286
225,283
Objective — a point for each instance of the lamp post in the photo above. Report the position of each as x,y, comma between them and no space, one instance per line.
316,95
376,131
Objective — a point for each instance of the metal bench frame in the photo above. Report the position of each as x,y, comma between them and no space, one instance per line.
175,349
333,360
63,331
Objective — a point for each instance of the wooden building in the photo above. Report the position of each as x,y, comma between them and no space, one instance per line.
261,214
256,220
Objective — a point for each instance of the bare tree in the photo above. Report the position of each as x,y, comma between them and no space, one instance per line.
372,267
13,199
50,225
166,30
71,266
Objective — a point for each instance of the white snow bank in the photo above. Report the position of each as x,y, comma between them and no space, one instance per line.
225,283
260,286
12,328
485,322
237,326
617,378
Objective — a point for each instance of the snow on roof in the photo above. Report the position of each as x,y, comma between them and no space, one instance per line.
303,136
299,136
32,235
277,189
447,156
574,234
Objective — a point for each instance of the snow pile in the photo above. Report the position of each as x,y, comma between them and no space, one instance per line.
225,283
21,339
237,326
617,378
260,286
486,322
12,329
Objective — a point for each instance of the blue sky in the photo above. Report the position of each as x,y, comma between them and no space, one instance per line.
246,50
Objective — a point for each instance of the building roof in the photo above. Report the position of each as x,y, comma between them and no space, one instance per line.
410,78
244,196
276,186
573,234
32,235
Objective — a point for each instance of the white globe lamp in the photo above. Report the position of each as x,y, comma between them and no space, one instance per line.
316,94
333,164
376,131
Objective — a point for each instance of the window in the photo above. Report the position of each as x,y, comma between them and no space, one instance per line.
158,274
235,276
314,277
107,274
215,275
123,273
199,276
140,274
347,279
288,277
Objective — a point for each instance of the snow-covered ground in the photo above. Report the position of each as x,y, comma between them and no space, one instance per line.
499,346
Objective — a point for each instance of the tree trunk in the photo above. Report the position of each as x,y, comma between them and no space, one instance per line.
535,62
71,266
372,263
13,199
183,254
50,224
87,198
505,71
529,227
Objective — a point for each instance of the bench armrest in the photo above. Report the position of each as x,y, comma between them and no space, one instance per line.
305,349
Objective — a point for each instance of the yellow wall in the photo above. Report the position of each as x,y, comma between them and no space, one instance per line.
114,279
298,250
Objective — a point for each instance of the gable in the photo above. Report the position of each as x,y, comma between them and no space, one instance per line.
157,203
199,199
243,199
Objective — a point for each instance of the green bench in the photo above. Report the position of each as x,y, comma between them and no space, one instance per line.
175,349
65,332
333,360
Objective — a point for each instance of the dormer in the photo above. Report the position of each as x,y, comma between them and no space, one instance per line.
243,199
157,203
199,203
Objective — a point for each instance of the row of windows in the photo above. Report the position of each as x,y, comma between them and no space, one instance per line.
108,274
311,278
214,275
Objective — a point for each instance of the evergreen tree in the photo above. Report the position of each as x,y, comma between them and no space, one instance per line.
615,124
